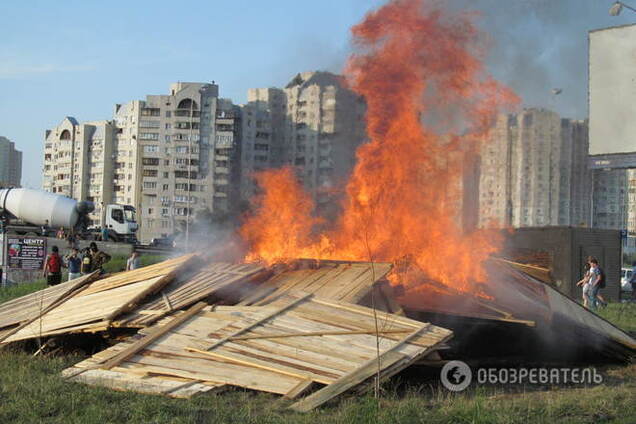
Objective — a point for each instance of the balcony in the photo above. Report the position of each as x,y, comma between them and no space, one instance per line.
186,113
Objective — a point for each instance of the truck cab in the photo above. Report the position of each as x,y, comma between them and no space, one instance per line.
121,222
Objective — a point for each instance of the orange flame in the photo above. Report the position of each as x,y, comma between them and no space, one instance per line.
429,104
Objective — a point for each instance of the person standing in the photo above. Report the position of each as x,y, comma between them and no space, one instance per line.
104,234
133,262
45,228
87,262
74,264
99,258
53,267
597,282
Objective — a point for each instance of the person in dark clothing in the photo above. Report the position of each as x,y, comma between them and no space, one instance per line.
87,262
53,267
99,258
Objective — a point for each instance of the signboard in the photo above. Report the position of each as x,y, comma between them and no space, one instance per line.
25,253
611,94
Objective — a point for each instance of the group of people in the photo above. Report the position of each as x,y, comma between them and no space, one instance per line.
592,282
91,259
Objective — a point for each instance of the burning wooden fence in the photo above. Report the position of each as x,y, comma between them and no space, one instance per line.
306,328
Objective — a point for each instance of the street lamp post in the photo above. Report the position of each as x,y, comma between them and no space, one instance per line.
617,8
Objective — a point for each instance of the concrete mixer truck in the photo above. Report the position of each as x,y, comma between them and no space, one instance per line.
27,211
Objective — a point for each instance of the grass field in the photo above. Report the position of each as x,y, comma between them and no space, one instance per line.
32,391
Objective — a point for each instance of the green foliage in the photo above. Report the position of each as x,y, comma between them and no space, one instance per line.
118,262
33,391
622,315
19,290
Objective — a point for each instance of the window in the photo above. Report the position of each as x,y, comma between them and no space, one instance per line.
150,184
151,149
167,137
166,162
149,136
150,173
168,126
149,124
181,149
165,187
150,161
166,175
150,111
118,215
181,174
181,186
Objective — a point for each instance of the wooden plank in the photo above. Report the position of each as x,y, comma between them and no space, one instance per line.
318,333
154,288
160,331
259,322
255,365
301,388
385,360
64,296
346,382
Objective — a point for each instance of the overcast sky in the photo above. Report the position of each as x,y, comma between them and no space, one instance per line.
79,58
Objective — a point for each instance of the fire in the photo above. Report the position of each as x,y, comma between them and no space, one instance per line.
429,104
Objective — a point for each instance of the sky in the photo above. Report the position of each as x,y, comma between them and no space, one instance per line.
80,58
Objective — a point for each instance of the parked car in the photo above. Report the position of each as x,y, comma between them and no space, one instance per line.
162,242
626,277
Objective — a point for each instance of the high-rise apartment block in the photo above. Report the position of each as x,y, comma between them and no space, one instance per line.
169,156
173,155
314,124
78,162
10,164
533,172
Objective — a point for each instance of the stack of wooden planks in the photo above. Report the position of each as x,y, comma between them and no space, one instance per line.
86,305
351,282
296,342
220,279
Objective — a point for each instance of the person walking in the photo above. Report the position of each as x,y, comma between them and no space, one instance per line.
133,262
53,267
584,282
74,264
99,258
596,282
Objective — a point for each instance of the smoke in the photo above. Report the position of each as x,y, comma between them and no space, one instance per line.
537,45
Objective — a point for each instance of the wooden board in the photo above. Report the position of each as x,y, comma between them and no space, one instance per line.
213,279
94,307
325,340
346,281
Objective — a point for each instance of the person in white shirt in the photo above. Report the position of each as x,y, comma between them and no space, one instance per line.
133,262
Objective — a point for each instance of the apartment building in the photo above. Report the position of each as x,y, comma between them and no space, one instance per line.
314,124
10,164
533,172
78,162
170,156
263,125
